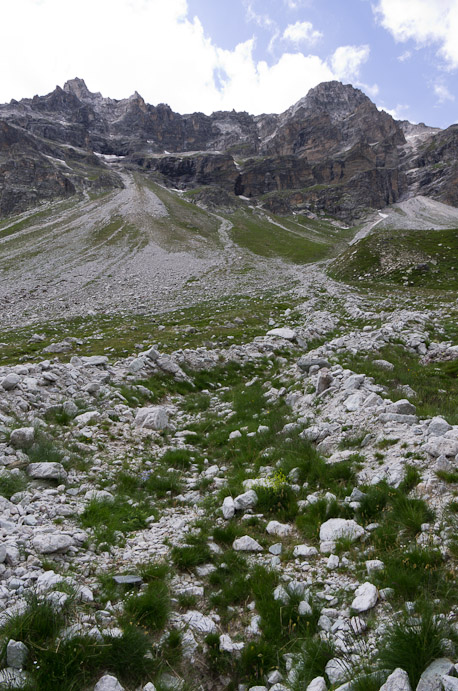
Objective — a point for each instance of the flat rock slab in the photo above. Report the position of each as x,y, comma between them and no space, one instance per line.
128,580
199,622
46,471
283,332
48,543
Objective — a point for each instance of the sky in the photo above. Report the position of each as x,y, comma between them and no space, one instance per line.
260,56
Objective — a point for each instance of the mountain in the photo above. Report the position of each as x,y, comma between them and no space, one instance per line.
333,152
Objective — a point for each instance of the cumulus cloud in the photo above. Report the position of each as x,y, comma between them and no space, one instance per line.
346,61
302,32
442,92
156,48
425,22
406,55
399,112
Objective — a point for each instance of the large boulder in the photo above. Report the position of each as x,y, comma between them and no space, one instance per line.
22,438
152,417
47,471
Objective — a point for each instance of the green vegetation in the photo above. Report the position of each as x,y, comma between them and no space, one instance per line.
12,482
419,258
429,381
413,645
269,237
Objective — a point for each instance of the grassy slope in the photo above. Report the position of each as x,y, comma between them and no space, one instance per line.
422,258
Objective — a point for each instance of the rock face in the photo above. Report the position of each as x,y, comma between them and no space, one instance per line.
332,151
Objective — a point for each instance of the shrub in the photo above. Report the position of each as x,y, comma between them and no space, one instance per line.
413,644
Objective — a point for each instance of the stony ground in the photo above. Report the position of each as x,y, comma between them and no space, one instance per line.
276,509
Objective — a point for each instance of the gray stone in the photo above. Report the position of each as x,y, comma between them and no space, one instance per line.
278,529
431,679
366,597
47,471
153,417
276,549
441,446
336,528
48,543
397,681
95,360
317,684
87,417
383,364
401,407
245,501
2,554
336,671
401,419
16,654
438,427
449,683
108,683
305,551
11,381
228,508
199,622
128,580
305,362
283,332
325,380
22,438
246,544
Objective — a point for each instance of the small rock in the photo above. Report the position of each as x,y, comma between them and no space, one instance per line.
402,407
245,501
305,551
397,681
336,528
199,622
228,508
108,683
366,597
278,529
246,544
22,438
11,381
16,654
317,684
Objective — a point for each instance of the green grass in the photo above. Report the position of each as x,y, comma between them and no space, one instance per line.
107,518
422,258
309,522
150,608
413,646
10,483
315,655
291,242
435,383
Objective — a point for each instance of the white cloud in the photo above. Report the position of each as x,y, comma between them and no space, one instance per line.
302,32
406,55
154,47
398,112
262,20
297,4
425,22
346,61
443,93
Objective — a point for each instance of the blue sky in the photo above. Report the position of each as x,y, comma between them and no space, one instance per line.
254,55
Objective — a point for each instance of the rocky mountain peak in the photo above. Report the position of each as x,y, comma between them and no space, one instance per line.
337,99
78,88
